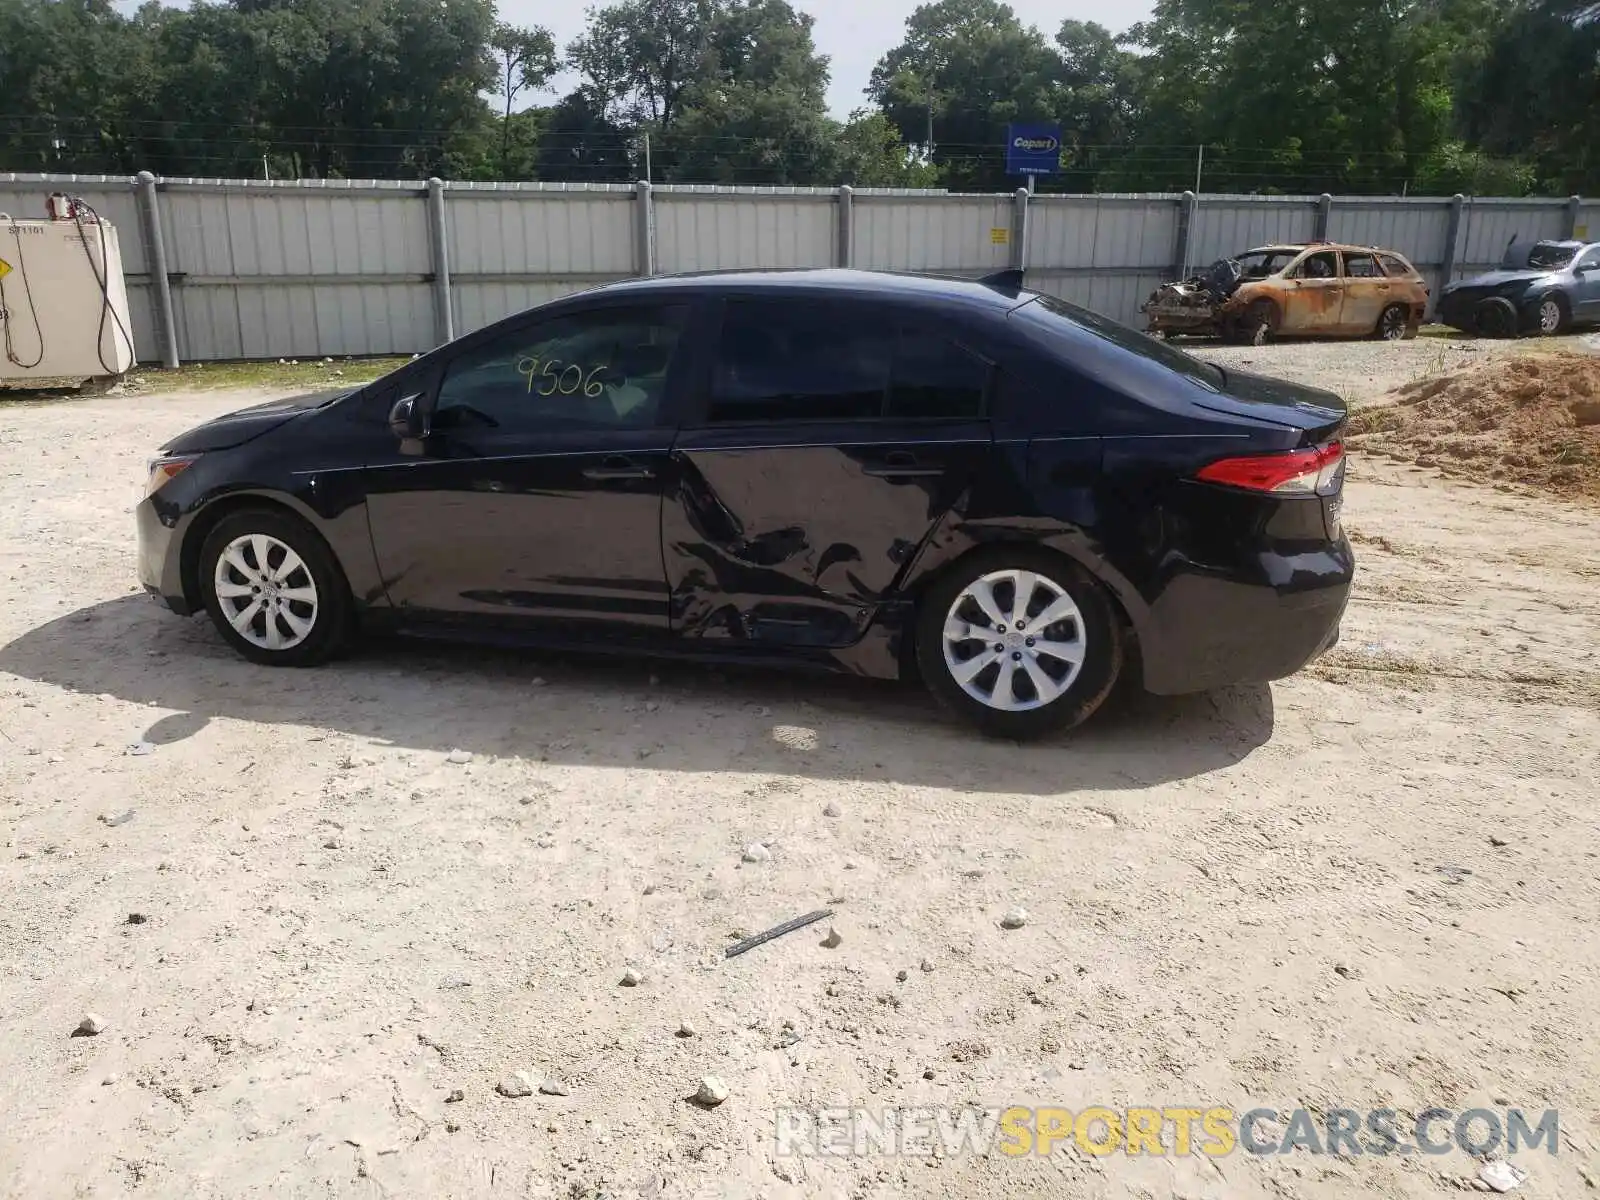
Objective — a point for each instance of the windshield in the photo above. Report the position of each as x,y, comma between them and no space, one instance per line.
1048,313
1541,256
1258,264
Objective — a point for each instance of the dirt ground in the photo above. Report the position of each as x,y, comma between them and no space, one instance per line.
1372,885
1362,371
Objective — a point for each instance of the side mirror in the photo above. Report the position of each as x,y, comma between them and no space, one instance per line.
407,421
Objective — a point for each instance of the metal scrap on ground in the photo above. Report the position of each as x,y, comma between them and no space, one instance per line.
789,926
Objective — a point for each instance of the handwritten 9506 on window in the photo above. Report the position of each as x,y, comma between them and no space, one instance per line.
565,381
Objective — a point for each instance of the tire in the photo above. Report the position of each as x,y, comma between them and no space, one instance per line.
1088,622
1552,317
1259,324
1495,317
312,617
1393,323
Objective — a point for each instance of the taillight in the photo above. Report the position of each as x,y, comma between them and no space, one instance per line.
1315,472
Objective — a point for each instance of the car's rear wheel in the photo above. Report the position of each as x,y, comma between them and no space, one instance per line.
1552,316
273,588
1392,322
1019,642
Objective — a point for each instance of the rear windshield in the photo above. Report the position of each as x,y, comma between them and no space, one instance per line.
1052,315
1541,256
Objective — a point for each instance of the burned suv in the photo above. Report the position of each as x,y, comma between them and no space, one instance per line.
1307,290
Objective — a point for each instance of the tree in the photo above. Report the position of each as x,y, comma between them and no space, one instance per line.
638,57
868,152
728,91
580,143
526,60
1299,93
1536,91
966,69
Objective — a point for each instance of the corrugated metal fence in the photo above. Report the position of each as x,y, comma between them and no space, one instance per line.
297,269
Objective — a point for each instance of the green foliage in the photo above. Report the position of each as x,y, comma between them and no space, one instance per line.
1382,96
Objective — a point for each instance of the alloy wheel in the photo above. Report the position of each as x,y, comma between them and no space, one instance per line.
1392,325
1014,640
266,592
1549,317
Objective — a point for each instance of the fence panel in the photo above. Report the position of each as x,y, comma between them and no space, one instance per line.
264,270
1107,253
1225,225
311,268
515,247
1487,225
1588,223
705,230
948,235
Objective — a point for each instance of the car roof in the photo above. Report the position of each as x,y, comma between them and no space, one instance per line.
1296,247
883,284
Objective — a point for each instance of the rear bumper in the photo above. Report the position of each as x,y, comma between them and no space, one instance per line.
1207,632
160,557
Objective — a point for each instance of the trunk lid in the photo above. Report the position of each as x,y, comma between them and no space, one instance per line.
1317,413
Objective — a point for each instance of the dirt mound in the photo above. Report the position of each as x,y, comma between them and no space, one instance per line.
1533,421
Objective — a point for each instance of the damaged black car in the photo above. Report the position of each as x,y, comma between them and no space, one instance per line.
1540,287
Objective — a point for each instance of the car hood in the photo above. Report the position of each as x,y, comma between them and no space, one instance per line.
1314,411
1497,279
240,426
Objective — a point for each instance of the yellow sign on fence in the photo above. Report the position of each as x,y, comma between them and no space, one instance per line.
999,235
5,268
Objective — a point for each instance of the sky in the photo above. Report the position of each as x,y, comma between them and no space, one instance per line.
854,34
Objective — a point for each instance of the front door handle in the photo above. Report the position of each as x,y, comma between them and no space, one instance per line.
618,466
901,464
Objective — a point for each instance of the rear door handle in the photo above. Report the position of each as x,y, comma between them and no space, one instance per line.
618,466
901,464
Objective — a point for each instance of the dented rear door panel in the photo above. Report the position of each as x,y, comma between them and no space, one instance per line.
795,534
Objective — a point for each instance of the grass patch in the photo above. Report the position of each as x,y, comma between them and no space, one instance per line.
306,374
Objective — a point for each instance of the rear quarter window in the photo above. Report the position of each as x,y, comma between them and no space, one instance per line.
1396,267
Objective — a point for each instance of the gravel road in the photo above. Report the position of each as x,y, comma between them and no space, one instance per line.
1362,371
1364,887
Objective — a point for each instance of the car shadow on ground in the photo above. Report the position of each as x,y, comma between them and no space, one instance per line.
596,710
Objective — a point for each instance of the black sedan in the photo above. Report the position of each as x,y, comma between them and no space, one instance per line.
1539,287
962,481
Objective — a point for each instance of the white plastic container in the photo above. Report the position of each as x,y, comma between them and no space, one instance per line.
63,303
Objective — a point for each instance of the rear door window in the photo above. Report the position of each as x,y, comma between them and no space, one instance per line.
935,379
1322,265
1360,265
800,360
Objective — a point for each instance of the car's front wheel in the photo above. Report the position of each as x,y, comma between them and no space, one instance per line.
1552,316
273,588
1019,642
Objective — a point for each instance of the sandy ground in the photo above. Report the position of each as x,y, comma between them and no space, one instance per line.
1372,885
1362,371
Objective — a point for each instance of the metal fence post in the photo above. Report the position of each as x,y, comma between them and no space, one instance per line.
846,198
1574,206
444,320
1452,233
644,230
1187,204
1019,232
1324,211
156,251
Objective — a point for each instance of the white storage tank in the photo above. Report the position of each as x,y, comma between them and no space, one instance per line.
63,302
